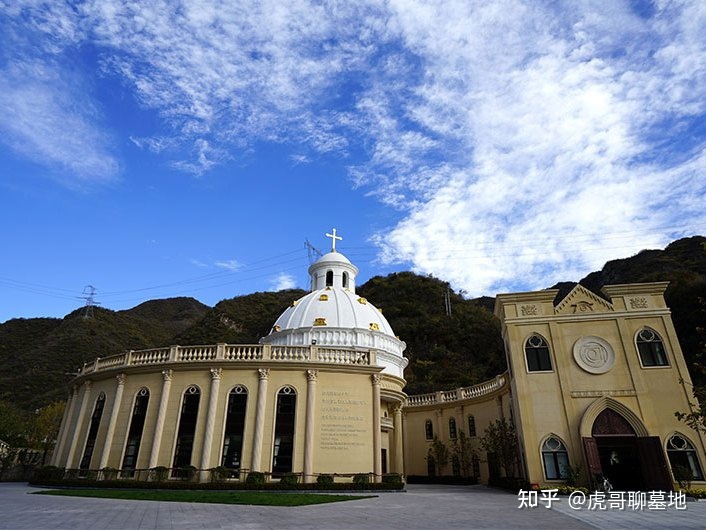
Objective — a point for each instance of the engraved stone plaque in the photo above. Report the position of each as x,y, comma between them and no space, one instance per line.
594,355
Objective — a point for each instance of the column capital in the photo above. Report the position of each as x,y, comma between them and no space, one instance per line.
88,384
312,375
376,378
263,373
397,408
121,379
216,373
167,375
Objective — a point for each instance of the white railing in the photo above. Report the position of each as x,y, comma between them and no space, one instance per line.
468,392
225,353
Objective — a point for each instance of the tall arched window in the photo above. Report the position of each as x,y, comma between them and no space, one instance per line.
651,348
471,426
537,354
93,431
682,454
329,278
345,280
134,436
555,458
429,430
284,430
187,427
235,426
452,428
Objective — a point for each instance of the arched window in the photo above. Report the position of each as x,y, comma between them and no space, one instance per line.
429,430
134,436
235,426
682,454
284,430
329,278
452,428
471,426
537,354
475,463
555,458
93,431
187,427
345,280
651,348
456,466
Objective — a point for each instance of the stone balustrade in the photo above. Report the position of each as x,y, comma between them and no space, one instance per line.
469,392
232,353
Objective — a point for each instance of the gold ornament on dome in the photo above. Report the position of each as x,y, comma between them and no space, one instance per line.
374,326
320,321
294,304
323,297
276,329
362,300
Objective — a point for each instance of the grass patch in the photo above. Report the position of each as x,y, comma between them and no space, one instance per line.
214,497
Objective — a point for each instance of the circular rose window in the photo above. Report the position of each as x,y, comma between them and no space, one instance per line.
594,355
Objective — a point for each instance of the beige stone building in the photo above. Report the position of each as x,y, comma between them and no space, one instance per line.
592,383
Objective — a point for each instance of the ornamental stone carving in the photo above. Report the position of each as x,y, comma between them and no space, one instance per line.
528,310
216,373
264,373
311,375
594,355
376,379
167,375
121,379
639,302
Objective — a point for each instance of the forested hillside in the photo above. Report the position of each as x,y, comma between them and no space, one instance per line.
38,356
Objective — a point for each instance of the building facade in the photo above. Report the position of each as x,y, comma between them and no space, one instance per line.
592,386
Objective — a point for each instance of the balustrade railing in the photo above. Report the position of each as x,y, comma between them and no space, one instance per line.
231,353
469,392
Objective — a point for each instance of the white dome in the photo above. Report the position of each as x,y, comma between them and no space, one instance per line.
332,314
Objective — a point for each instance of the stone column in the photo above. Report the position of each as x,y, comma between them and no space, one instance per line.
113,420
398,466
311,376
377,442
255,463
65,426
161,416
78,434
210,423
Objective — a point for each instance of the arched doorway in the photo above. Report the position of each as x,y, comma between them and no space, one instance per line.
630,459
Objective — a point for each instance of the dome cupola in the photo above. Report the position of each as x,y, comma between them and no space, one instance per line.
333,315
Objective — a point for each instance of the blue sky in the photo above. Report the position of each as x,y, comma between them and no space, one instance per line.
189,149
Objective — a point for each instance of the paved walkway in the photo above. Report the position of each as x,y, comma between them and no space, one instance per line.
423,507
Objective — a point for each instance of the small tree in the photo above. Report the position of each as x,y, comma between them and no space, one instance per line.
500,439
464,451
440,454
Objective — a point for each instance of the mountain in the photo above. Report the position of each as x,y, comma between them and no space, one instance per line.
446,348
40,355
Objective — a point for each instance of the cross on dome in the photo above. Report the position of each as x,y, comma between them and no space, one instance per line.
334,237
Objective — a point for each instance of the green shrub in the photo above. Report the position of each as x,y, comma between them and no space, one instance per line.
255,477
392,478
697,493
187,473
159,473
565,489
219,474
361,479
49,473
109,473
324,480
289,479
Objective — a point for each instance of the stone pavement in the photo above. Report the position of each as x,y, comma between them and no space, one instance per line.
427,507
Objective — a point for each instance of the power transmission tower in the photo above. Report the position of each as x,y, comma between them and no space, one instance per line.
314,253
447,302
89,293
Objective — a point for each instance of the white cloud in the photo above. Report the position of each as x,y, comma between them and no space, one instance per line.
522,143
43,120
283,281
230,265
